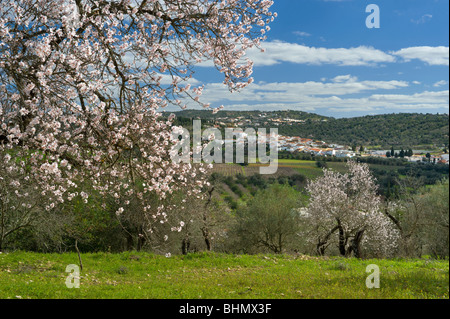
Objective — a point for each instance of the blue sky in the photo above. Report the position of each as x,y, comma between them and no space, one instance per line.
321,58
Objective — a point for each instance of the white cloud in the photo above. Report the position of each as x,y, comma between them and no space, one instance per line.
343,94
423,19
278,52
285,92
431,55
377,103
440,83
344,78
166,79
302,33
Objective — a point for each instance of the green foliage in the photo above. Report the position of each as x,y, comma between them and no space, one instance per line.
386,171
433,232
383,130
422,216
321,164
270,220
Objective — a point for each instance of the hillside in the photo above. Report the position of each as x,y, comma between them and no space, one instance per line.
402,130
406,130
204,114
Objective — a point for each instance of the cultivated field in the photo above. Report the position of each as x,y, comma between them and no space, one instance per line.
252,169
289,167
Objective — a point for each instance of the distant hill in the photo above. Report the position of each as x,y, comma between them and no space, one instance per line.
207,114
403,130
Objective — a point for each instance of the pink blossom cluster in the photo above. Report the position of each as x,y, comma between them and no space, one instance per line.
82,83
347,208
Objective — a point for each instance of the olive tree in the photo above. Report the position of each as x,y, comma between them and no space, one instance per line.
270,221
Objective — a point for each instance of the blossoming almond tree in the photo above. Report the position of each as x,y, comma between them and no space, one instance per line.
344,209
81,83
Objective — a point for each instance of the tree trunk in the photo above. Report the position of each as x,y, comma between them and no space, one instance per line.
321,249
280,243
205,230
140,243
79,255
322,244
205,233
342,242
355,246
185,245
141,239
130,242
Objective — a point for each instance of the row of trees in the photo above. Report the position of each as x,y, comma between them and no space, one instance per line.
341,214
369,160
344,216
402,154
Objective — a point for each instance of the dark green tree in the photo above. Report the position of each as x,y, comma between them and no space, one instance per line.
270,220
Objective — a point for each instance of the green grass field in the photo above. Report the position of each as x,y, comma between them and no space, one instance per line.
215,276
305,168
309,169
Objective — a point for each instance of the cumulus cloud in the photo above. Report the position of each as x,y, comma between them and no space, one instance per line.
376,103
278,52
302,33
290,92
344,94
430,55
423,19
440,83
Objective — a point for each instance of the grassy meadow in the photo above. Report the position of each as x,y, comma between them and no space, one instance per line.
136,275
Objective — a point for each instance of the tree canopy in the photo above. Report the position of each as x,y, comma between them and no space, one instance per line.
82,83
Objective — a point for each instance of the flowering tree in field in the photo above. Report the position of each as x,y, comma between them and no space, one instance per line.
81,83
344,209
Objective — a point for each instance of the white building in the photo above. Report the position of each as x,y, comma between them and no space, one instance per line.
345,154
